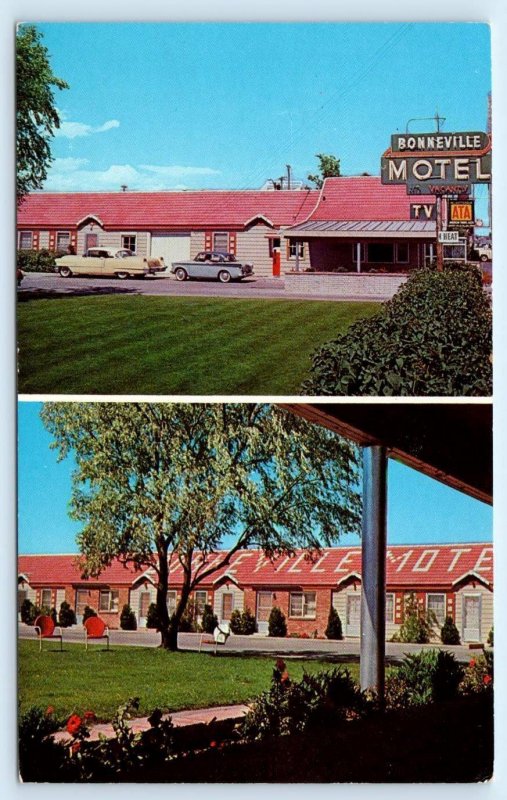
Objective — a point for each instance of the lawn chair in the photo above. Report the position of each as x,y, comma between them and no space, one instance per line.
45,629
220,636
95,628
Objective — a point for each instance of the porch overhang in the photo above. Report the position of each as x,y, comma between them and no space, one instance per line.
372,229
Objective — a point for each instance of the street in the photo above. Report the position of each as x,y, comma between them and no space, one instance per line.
42,285
340,651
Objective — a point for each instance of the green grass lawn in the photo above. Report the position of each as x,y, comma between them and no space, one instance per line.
174,345
99,680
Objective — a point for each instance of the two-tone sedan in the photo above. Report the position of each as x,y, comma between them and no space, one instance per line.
218,266
101,261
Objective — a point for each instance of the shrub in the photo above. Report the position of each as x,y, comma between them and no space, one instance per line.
432,338
40,757
449,633
28,612
491,637
417,625
243,622
152,618
478,675
128,620
88,612
36,260
188,621
334,625
277,625
209,620
313,702
427,677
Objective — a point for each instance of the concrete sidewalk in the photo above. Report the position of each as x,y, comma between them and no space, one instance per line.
180,719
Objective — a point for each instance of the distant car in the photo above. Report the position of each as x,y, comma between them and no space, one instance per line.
102,261
484,253
220,266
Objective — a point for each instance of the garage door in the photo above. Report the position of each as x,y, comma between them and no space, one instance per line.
171,247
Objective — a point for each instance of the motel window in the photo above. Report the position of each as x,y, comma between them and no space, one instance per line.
294,248
25,240
402,253
389,607
128,242
62,241
436,606
381,253
200,600
221,242
171,603
45,598
108,600
303,605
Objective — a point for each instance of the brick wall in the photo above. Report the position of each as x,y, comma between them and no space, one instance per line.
369,286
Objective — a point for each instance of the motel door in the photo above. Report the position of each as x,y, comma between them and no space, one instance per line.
264,606
353,621
471,618
227,606
83,599
91,240
144,604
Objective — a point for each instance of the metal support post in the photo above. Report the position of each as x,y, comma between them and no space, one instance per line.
439,227
373,570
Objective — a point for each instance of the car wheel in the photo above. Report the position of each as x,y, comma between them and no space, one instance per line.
181,274
224,276
122,275
65,272
484,257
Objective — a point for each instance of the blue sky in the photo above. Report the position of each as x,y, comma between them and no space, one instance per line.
421,510
228,105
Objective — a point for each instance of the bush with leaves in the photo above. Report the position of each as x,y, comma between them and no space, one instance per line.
491,637
37,260
128,620
315,701
152,618
188,621
243,622
88,612
277,625
334,625
417,625
209,620
449,633
434,337
40,757
66,615
28,612
430,676
478,676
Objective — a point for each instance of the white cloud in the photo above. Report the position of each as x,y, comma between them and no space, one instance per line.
71,175
73,130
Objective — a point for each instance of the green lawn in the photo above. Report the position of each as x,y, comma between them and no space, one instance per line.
99,680
174,345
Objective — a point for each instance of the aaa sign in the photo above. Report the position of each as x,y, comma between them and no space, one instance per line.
461,212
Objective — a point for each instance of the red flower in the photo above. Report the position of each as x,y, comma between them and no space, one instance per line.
280,664
49,710
285,677
73,724
212,744
472,662
75,746
89,715
487,679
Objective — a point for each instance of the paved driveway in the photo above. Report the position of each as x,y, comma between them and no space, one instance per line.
46,285
341,651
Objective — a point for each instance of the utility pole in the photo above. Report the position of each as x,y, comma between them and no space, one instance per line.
288,176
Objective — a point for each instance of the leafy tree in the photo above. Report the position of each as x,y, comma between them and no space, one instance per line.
36,115
159,484
329,167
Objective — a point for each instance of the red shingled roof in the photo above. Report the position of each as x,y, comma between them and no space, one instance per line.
166,210
407,565
363,198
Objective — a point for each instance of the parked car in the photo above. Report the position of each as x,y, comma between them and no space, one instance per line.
101,261
484,253
220,266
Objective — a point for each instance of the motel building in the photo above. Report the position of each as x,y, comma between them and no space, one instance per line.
353,233
450,580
